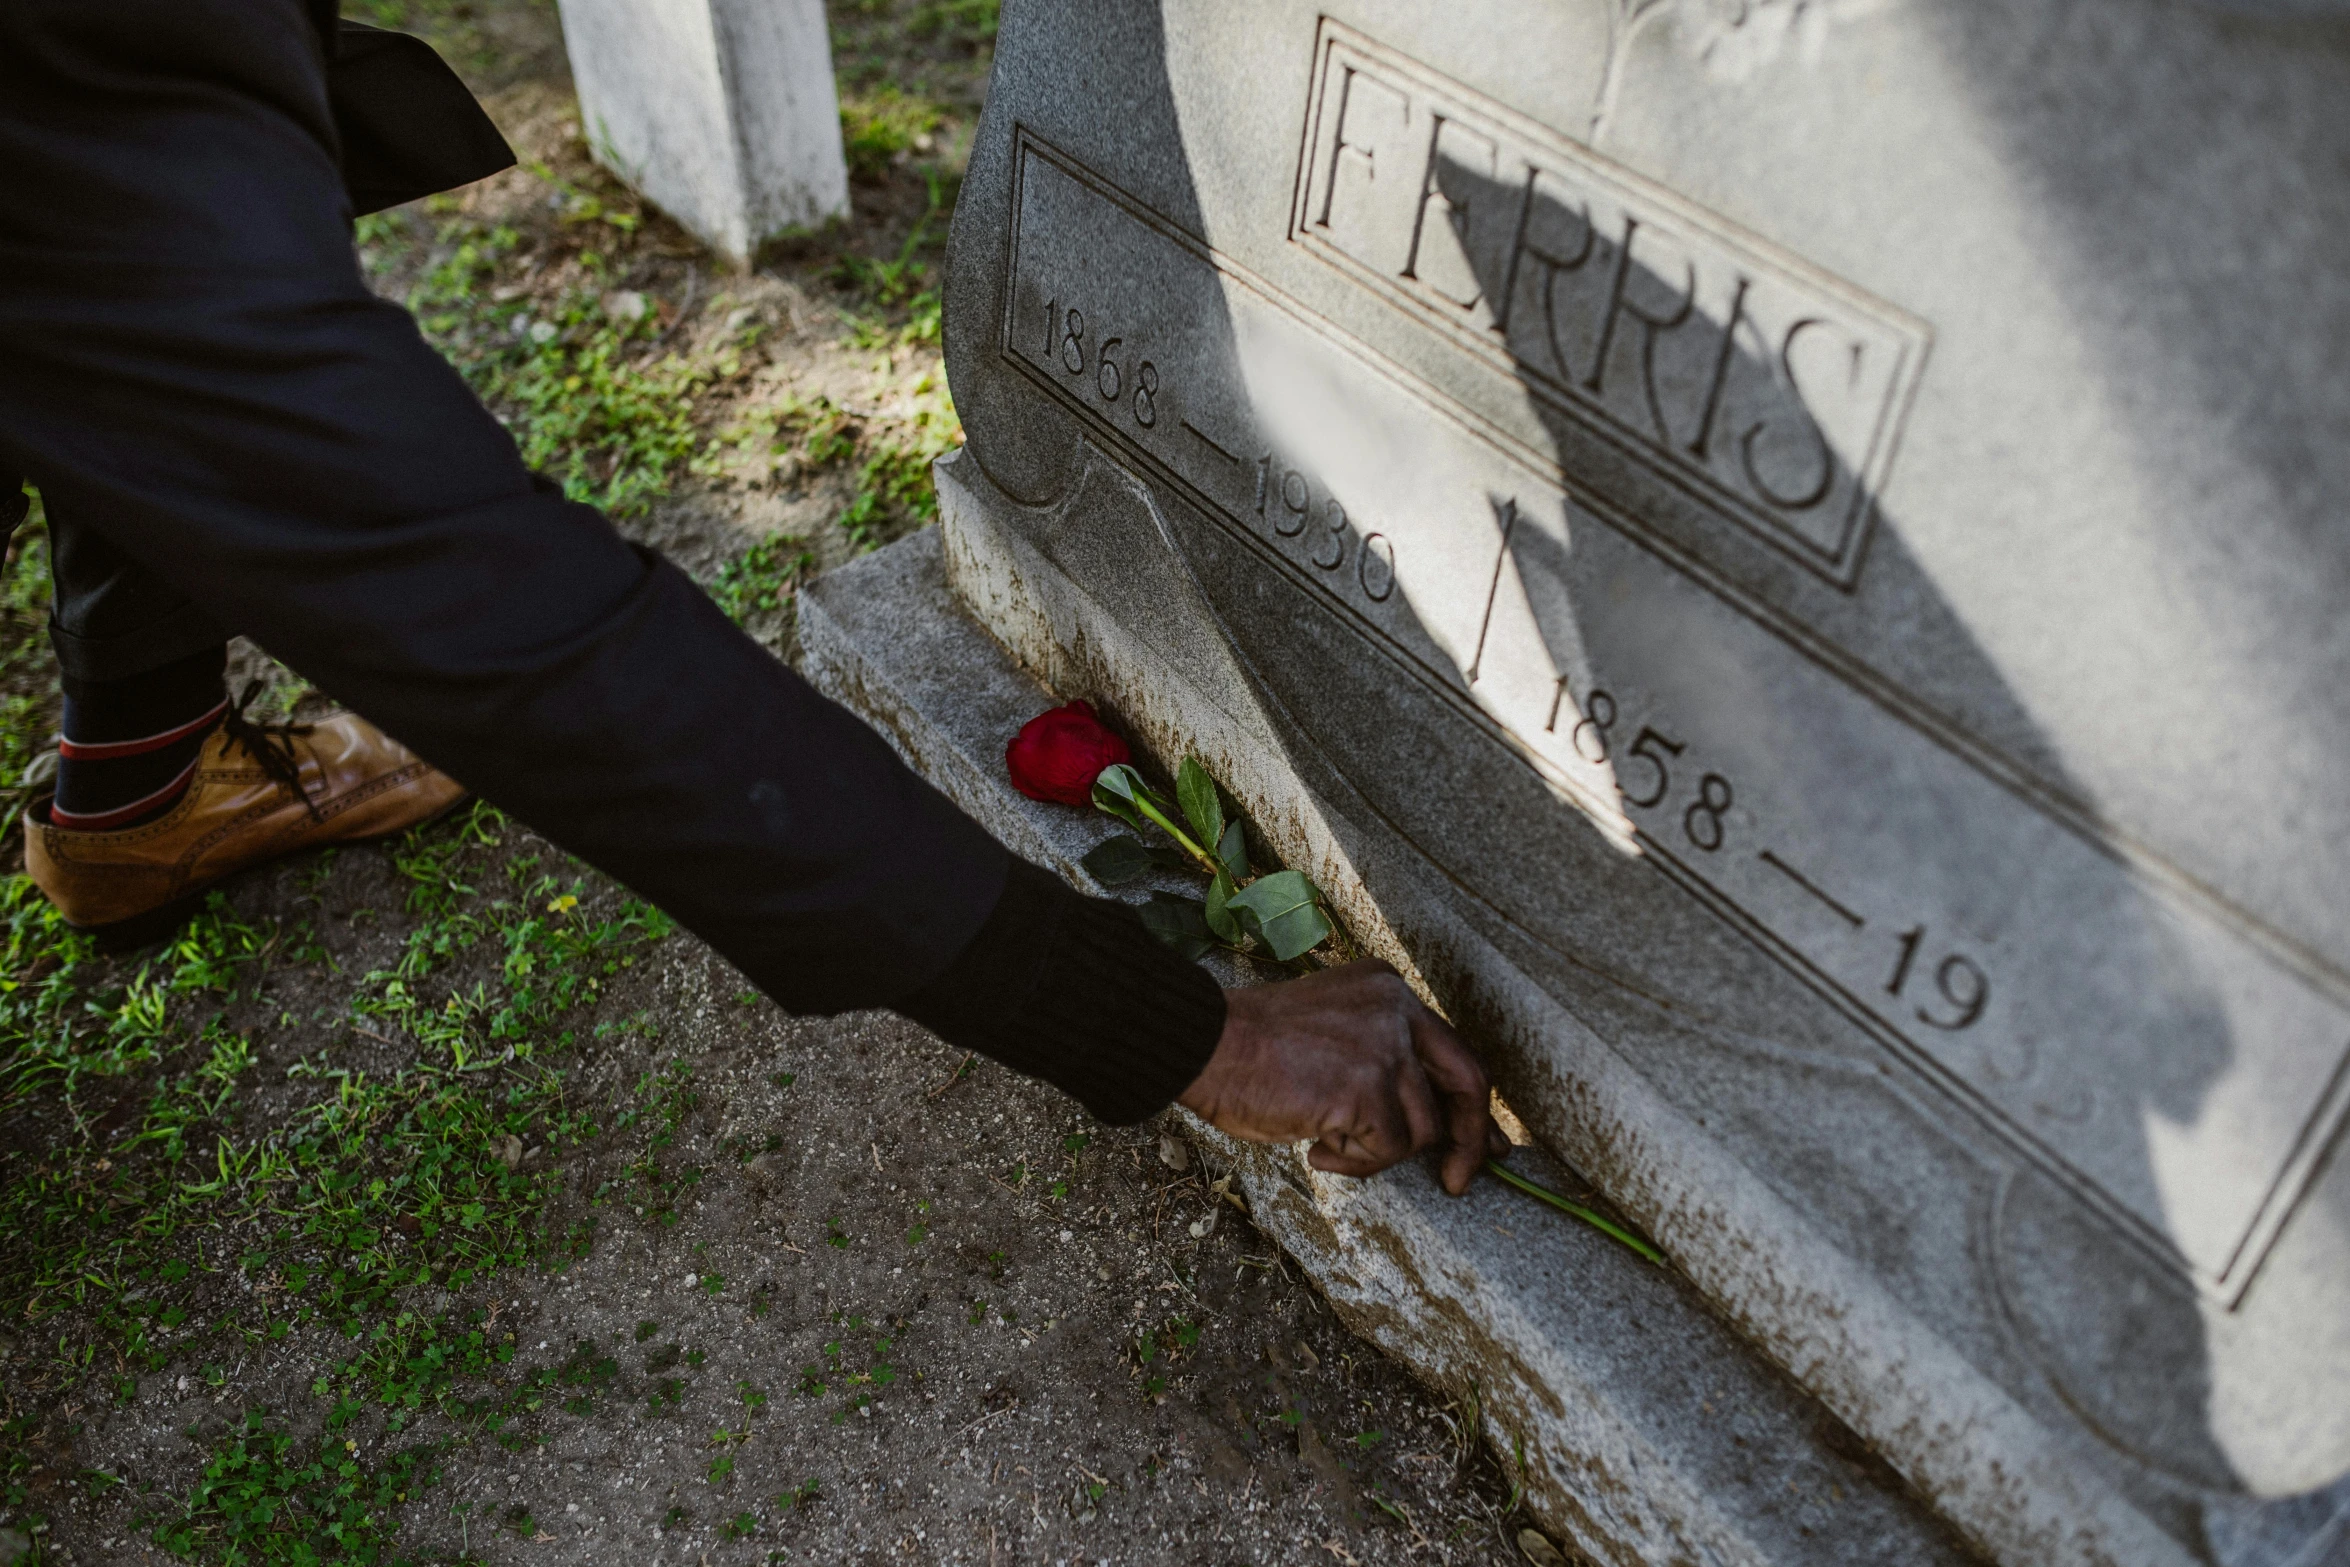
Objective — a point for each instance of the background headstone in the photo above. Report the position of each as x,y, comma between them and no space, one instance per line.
1786,560
720,112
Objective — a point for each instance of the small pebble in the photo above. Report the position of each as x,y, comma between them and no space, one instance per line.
1539,1550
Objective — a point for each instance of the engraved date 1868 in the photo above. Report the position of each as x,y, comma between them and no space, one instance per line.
1115,380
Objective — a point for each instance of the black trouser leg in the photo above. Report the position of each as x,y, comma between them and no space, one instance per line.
141,667
112,620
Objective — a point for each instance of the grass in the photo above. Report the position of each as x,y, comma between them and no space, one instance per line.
622,390
1158,1350
561,299
452,26
171,1225
582,376
883,124
930,46
894,490
266,1496
169,1216
29,694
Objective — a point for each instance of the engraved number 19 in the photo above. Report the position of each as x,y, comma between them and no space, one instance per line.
1965,988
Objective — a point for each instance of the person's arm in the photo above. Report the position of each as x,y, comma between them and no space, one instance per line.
190,357
191,361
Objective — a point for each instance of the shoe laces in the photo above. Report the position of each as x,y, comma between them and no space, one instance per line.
272,745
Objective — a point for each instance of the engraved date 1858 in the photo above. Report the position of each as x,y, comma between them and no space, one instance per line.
1645,778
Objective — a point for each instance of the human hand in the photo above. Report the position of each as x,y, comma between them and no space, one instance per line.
1351,1059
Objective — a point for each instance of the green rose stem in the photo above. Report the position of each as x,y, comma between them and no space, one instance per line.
1605,1226
1143,805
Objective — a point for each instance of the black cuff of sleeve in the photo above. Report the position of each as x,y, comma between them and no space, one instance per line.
1074,990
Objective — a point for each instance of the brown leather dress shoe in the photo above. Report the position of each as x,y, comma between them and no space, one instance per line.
259,792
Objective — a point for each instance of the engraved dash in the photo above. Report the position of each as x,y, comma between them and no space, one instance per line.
1206,440
1800,880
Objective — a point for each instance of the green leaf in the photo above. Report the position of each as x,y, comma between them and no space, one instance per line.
1233,853
1202,807
1287,911
1128,784
1119,860
1178,921
1219,917
1116,790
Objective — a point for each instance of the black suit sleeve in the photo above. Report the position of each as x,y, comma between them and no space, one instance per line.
190,359
407,125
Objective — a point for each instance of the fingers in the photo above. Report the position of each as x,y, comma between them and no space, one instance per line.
1467,1098
1351,1058
1322,1156
1398,1121
1379,1131
1416,1102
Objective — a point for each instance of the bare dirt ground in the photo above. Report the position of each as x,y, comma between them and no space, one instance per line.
434,1201
807,1289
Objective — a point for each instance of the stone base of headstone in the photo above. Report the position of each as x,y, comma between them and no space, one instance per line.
1644,1429
722,113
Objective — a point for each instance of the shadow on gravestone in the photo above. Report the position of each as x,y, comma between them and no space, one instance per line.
1577,738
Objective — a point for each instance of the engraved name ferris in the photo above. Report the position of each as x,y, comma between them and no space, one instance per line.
1728,365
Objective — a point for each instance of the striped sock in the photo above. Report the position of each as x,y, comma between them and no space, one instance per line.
129,748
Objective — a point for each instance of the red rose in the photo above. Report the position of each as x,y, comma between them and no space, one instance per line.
1057,755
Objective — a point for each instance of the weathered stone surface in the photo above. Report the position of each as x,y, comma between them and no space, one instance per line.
1652,1433
721,112
1786,560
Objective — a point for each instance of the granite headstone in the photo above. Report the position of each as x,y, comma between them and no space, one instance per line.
1787,558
